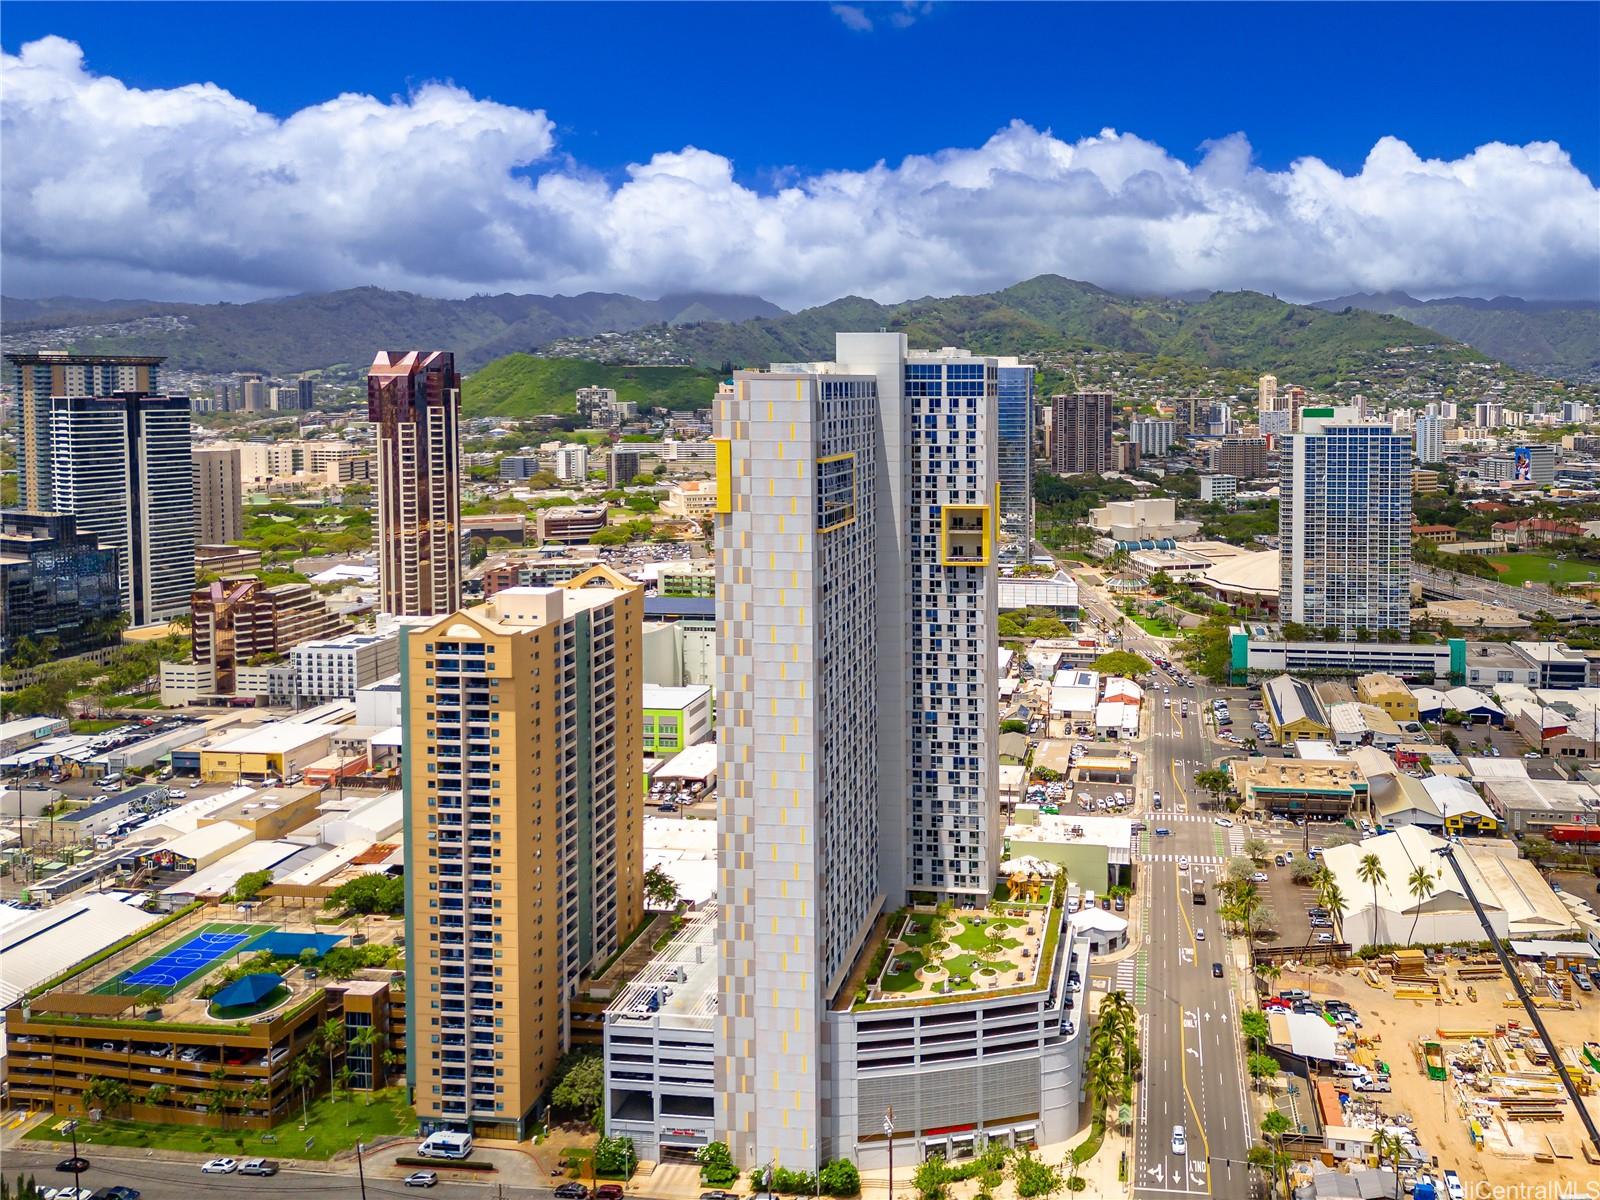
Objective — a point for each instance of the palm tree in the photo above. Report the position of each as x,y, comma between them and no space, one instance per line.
303,1072
332,1035
1333,900
1370,870
1273,1126
1386,1145
158,1094
1421,885
366,1040
1269,974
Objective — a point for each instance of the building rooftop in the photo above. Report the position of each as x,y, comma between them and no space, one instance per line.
661,696
1292,700
921,958
678,985
36,945
280,737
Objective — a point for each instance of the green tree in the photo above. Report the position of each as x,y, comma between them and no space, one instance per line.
248,886
660,888
1214,781
1122,662
1370,870
1262,1067
368,894
1013,725
303,1072
840,1178
614,1156
716,1164
1421,884
1253,1025
931,1178
332,1037
1273,1126
1034,1177
1257,850
158,1095
580,1082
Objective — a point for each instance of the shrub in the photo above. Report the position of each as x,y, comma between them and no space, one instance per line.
716,1164
840,1178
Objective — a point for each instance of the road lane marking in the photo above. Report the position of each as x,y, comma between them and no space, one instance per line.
1183,1070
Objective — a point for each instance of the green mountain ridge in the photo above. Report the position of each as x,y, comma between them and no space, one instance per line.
310,332
1547,338
1239,330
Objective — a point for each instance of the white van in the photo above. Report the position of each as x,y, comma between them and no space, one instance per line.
447,1143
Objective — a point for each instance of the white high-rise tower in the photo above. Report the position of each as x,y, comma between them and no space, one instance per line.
856,607
1345,524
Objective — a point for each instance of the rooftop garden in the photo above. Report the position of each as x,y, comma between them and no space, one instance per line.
938,955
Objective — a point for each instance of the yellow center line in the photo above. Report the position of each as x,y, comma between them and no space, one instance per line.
1183,911
1183,1058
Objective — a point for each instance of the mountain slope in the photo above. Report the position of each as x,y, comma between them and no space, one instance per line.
1243,330
1550,338
298,333
520,385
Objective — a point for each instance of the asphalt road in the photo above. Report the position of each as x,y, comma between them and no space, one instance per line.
160,1180
1193,1071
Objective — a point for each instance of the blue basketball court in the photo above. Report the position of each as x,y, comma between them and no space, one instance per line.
193,956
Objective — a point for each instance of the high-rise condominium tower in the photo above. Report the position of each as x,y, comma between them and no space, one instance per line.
858,513
1345,524
414,398
122,465
524,835
37,378
217,495
1014,420
1267,394
1080,441
1429,438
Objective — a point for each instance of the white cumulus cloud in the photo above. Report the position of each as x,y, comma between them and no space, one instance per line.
191,191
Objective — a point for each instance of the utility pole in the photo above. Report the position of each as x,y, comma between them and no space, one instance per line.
361,1171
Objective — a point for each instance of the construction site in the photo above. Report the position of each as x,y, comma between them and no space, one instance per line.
1465,1081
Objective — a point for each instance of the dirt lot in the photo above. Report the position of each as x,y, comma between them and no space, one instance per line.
1398,1025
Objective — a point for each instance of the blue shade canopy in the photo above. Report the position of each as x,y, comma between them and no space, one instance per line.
252,989
291,945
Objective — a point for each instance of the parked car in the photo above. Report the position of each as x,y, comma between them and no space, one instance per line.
608,1191
117,1191
1452,1186
258,1166
220,1166
421,1179
572,1191
1279,861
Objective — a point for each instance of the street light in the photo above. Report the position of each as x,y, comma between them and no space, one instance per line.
72,1128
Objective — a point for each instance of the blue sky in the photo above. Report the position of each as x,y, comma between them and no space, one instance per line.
624,80
1305,149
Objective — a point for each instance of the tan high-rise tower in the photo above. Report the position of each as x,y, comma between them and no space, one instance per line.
524,835
414,398
217,495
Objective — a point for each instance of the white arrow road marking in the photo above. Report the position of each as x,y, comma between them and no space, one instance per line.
1194,1051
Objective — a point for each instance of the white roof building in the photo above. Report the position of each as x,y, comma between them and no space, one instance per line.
45,943
208,844
1074,693
1515,898
221,875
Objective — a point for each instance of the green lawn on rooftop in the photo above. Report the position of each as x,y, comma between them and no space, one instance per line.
336,1124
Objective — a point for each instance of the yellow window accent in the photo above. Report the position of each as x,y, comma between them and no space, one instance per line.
794,505
791,431
769,410
772,487
780,449
723,450
783,889
783,819
785,1043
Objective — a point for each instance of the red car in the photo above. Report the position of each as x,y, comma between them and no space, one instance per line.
608,1191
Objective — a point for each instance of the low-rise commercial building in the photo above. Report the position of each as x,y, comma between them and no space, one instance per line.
1389,693
1293,712
675,717
1258,650
573,524
1533,807
1300,787
336,668
278,750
